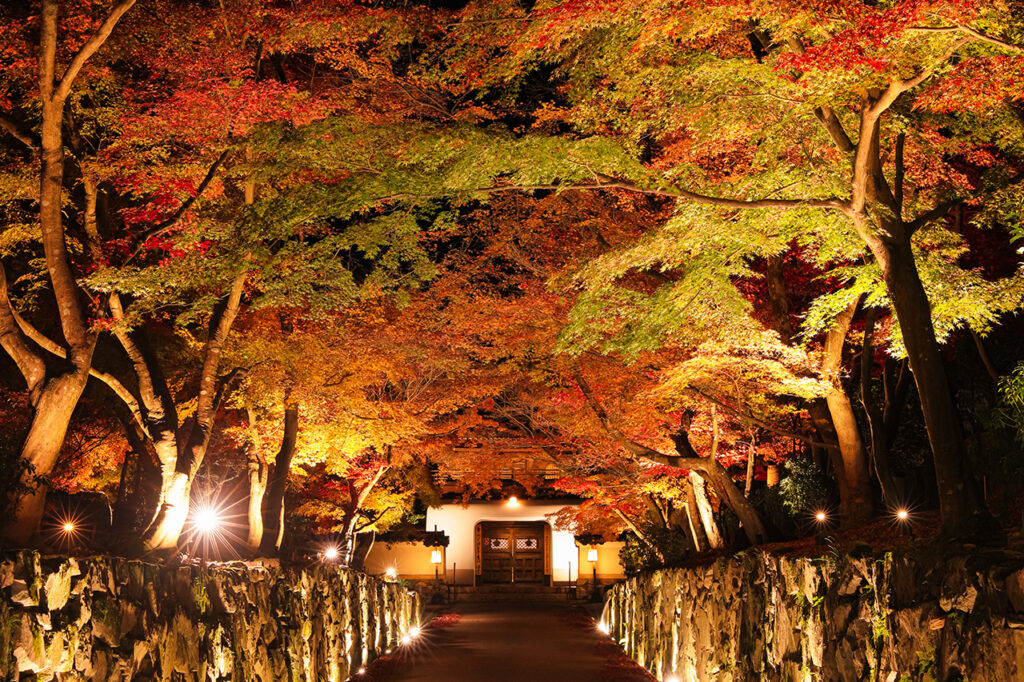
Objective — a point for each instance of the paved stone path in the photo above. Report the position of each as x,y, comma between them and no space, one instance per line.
508,642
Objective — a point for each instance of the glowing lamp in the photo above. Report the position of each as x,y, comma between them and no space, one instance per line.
902,514
391,573
406,639
821,517
435,556
68,527
603,627
361,671
415,631
206,520
331,553
513,501
592,555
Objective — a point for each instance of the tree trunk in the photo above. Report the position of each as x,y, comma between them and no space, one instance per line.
710,470
257,489
273,504
833,417
855,484
880,435
964,515
694,517
51,416
748,485
709,527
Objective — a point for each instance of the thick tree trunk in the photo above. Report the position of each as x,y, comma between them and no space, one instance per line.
51,416
963,511
273,504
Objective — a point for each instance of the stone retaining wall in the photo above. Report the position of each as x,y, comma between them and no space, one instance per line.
101,618
893,618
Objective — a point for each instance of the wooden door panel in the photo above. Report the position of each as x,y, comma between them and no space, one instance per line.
512,552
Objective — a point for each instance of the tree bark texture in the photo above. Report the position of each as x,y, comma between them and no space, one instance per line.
273,503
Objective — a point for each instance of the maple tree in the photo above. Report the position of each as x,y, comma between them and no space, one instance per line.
658,246
746,112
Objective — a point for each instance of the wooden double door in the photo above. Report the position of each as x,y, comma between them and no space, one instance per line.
513,552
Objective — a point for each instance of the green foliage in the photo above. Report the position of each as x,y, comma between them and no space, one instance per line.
1011,395
804,487
637,556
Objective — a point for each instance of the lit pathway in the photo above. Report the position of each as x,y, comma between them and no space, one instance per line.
511,642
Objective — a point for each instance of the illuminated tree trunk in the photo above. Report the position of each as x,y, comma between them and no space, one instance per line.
882,420
350,523
273,506
705,514
963,511
854,482
833,418
258,474
53,394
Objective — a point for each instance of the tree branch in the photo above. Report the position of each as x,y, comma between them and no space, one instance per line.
973,32
112,382
89,49
17,132
170,222
13,340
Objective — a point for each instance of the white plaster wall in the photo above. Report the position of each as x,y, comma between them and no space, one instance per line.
458,521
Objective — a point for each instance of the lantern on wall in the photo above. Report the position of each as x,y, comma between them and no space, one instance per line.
436,558
592,555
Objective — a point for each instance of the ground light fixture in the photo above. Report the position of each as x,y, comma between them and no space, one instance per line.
206,520
513,501
902,515
331,553
391,573
415,631
820,517
603,627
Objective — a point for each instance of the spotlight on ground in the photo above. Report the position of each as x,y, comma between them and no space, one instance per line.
206,520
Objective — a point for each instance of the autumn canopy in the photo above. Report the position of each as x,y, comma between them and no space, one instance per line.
715,266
